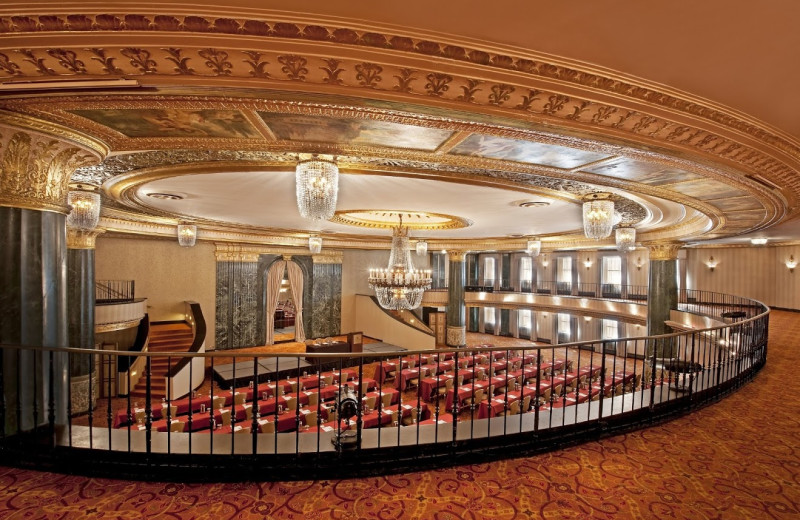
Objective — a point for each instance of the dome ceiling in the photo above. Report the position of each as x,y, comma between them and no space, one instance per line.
439,125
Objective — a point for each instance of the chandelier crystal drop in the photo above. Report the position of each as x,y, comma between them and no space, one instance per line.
534,247
399,286
317,183
598,216
85,213
315,245
187,235
625,238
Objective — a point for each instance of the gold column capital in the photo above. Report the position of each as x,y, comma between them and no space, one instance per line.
80,239
663,250
456,256
37,159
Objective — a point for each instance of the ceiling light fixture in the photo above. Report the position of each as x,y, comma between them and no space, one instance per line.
399,286
187,235
84,202
317,182
625,238
598,215
422,248
534,247
315,245
758,241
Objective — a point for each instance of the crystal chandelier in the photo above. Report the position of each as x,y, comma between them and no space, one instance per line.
422,248
534,247
598,215
399,286
625,238
85,213
317,182
315,245
187,234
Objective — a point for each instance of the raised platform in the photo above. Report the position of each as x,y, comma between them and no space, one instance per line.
272,368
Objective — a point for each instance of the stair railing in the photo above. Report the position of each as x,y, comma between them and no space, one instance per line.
130,369
189,373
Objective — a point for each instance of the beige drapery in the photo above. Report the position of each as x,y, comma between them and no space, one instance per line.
296,284
274,278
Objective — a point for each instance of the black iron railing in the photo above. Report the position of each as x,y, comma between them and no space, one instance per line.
112,291
271,416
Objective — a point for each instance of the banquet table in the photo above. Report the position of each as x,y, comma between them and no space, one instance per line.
495,406
429,385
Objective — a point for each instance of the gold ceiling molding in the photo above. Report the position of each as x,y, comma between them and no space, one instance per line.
390,218
773,202
220,62
225,252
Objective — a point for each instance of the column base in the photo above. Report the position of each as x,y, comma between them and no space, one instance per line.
79,393
456,336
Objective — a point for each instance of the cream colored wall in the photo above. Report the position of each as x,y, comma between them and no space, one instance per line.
759,273
356,264
165,273
375,323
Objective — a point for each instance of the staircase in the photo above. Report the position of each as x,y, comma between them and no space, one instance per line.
164,337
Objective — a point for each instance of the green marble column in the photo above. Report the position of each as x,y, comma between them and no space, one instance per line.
662,294
456,309
33,297
80,316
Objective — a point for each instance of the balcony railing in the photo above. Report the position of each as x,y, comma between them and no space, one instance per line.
375,412
114,291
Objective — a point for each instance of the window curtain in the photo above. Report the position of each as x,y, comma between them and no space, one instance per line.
296,283
274,278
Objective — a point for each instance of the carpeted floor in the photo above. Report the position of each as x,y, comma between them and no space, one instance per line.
737,459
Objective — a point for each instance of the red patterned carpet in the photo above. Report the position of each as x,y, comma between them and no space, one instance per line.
739,458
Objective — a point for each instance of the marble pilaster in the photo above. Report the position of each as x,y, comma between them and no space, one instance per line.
456,308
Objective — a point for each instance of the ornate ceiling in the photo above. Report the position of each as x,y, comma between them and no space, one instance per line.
217,107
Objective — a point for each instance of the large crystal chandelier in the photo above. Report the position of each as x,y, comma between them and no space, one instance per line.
399,286
598,215
187,235
85,213
317,182
625,238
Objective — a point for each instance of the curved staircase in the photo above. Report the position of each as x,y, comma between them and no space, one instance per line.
164,337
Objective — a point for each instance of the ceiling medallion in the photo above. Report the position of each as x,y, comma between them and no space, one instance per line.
165,196
387,219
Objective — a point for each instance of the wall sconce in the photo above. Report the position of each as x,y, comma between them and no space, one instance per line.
791,263
587,318
587,263
545,261
639,264
711,263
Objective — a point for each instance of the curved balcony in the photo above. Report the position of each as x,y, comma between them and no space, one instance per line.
396,411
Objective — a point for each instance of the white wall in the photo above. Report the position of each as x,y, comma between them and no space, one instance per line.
164,272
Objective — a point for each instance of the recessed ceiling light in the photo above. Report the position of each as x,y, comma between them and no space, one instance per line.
165,196
533,204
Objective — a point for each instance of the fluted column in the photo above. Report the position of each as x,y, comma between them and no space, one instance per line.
456,309
80,316
36,162
662,294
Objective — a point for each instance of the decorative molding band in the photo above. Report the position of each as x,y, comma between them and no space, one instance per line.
77,239
460,256
329,257
111,327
